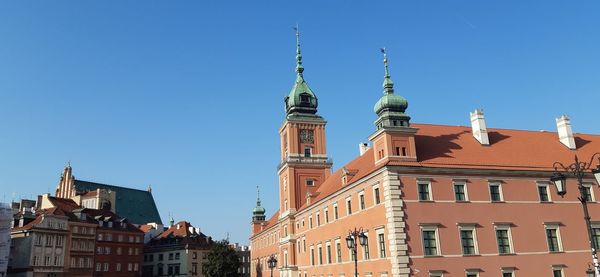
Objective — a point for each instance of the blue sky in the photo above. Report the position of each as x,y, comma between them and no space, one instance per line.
188,95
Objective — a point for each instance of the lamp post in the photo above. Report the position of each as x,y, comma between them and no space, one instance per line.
353,236
579,170
272,263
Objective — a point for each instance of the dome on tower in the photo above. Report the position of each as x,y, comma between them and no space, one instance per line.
301,100
391,103
258,210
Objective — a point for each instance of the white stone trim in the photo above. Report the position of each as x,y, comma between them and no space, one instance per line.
396,232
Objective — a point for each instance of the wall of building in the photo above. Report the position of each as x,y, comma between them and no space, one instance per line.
520,210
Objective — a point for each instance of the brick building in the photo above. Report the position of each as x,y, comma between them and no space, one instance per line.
433,200
119,245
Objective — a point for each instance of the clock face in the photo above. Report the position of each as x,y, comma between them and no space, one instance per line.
306,136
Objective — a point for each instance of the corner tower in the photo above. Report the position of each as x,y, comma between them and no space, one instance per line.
394,139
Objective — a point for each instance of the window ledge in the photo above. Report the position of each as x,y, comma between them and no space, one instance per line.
427,201
432,256
507,254
556,252
499,201
462,201
471,255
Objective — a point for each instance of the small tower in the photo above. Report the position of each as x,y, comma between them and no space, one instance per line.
258,213
394,139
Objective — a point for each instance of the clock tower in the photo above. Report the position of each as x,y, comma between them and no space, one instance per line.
304,163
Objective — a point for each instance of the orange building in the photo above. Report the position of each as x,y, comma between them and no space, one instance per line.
433,200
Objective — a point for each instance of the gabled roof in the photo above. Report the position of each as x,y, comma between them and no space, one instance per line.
137,206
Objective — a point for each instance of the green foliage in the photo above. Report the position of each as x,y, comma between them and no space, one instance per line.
222,261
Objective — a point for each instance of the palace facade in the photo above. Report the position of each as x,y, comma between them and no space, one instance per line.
433,200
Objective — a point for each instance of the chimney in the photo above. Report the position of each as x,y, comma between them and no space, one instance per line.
565,133
478,126
363,147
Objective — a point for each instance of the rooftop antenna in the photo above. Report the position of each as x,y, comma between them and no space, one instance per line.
227,237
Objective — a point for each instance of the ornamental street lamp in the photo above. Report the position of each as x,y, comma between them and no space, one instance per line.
272,263
579,170
353,236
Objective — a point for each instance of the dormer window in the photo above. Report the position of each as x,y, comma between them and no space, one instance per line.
304,98
310,182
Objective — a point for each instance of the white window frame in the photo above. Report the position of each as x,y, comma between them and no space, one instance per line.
366,248
361,197
472,228
546,185
348,207
553,225
558,267
436,273
336,212
431,227
504,226
429,190
376,188
472,271
500,190
464,184
377,232
326,215
510,270
591,187
338,246
318,218
328,257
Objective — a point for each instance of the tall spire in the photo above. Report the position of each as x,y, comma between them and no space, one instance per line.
257,196
388,85
299,67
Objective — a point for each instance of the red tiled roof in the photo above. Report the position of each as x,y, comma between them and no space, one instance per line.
180,229
359,167
455,147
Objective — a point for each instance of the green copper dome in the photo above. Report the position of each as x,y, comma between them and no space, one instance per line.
392,103
258,210
301,98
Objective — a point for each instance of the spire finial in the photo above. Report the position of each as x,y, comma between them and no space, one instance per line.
299,67
388,85
257,196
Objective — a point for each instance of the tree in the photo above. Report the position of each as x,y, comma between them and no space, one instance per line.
222,261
